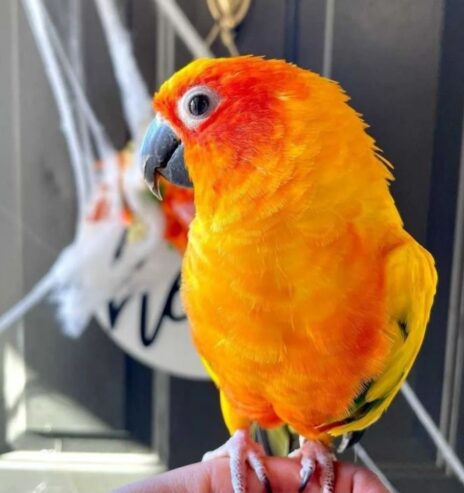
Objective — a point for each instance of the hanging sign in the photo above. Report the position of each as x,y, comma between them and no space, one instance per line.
146,317
150,323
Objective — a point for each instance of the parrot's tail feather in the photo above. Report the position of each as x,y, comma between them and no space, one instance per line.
279,441
261,437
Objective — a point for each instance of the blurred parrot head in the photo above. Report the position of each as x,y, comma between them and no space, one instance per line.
246,128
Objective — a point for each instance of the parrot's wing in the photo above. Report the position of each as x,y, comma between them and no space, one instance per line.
411,281
232,419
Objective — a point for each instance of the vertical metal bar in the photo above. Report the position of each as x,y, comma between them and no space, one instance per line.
455,319
328,38
161,421
74,26
444,196
14,369
76,57
160,51
291,39
16,106
455,365
165,47
165,60
170,40
7,12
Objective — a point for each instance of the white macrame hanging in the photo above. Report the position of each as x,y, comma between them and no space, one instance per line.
85,276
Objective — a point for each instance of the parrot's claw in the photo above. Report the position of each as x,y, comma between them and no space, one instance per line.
240,449
314,454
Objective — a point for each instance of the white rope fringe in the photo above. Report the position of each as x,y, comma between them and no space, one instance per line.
35,296
184,29
434,433
74,31
35,13
103,145
101,140
370,464
135,98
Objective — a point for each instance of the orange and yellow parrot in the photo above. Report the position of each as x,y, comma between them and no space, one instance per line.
307,299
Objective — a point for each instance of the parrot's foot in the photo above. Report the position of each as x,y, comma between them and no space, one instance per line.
240,448
314,454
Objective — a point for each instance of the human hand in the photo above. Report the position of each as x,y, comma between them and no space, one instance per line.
214,477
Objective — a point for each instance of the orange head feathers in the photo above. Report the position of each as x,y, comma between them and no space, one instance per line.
268,123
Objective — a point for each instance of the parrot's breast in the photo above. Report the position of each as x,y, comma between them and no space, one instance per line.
291,328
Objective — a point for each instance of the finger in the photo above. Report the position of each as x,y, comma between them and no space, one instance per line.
356,479
283,474
195,478
365,481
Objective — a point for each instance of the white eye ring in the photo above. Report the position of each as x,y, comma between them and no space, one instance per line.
191,99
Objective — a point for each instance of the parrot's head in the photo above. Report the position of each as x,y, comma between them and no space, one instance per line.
243,127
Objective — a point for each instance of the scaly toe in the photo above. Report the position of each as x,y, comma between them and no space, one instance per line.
307,469
312,455
240,449
255,459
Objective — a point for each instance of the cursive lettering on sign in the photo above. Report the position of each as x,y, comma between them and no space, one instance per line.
168,312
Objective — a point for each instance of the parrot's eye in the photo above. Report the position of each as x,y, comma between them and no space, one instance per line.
196,105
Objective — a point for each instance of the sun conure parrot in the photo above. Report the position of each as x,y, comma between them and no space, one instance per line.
307,299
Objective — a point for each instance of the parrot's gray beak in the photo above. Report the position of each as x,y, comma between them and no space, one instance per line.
162,153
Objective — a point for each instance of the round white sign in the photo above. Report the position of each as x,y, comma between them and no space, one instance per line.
150,324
